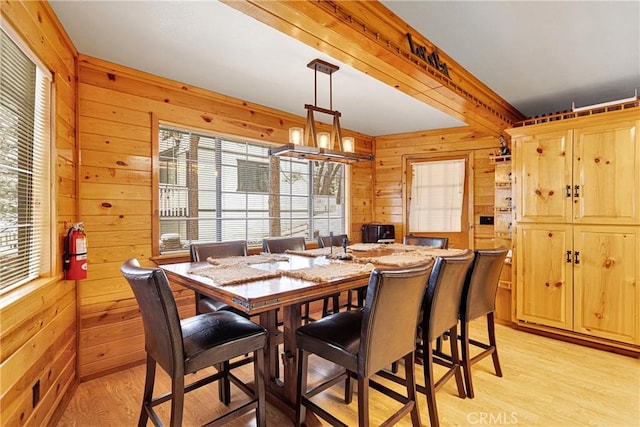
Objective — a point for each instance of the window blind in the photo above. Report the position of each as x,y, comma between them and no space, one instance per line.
25,89
437,195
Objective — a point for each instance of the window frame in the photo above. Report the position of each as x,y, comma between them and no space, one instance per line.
46,228
467,232
158,122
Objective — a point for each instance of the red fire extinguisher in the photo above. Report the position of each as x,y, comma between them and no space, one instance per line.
75,253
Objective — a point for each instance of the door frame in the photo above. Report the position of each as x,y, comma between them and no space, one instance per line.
467,156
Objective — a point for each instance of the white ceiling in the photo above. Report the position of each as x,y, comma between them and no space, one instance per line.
539,56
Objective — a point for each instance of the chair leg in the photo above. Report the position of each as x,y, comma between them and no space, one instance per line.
224,385
177,401
466,362
147,395
455,360
363,401
306,313
348,389
258,373
429,383
325,306
409,374
336,303
301,387
492,343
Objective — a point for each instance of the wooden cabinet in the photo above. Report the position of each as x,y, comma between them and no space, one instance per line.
582,278
577,219
544,277
586,175
606,282
606,177
542,172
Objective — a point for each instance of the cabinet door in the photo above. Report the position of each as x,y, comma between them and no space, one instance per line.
607,170
543,170
606,282
544,277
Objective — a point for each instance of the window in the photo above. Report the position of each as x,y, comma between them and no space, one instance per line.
25,89
214,189
437,196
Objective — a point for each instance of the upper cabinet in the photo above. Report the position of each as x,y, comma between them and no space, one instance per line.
543,172
606,180
579,171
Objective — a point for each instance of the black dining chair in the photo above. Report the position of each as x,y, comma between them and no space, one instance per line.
206,304
279,245
185,346
202,251
440,314
434,242
332,240
365,341
440,311
478,300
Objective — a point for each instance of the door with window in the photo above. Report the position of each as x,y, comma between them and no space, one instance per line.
438,198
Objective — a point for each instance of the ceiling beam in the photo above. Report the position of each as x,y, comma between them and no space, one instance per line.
370,38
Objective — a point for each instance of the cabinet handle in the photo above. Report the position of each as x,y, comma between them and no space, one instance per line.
576,257
568,189
576,192
569,257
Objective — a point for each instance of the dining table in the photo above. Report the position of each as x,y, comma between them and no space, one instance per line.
283,283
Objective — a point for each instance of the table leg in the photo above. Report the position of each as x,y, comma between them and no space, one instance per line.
292,320
268,320
282,394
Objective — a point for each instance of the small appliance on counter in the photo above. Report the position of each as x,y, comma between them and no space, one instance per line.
378,233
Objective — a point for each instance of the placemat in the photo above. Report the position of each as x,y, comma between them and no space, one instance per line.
246,260
332,271
315,252
435,252
396,260
363,247
401,247
225,275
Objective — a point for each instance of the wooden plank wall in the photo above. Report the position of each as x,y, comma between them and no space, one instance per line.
38,319
116,109
390,152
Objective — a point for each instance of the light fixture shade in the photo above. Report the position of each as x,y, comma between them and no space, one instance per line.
296,135
323,140
348,144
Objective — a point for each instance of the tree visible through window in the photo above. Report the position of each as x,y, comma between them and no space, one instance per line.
215,189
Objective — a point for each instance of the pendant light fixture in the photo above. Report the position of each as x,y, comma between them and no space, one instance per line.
308,143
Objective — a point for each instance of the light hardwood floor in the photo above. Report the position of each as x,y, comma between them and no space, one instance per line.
546,383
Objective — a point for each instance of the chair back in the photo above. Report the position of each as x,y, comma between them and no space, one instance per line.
279,245
335,240
442,300
434,242
481,285
202,251
390,315
162,332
